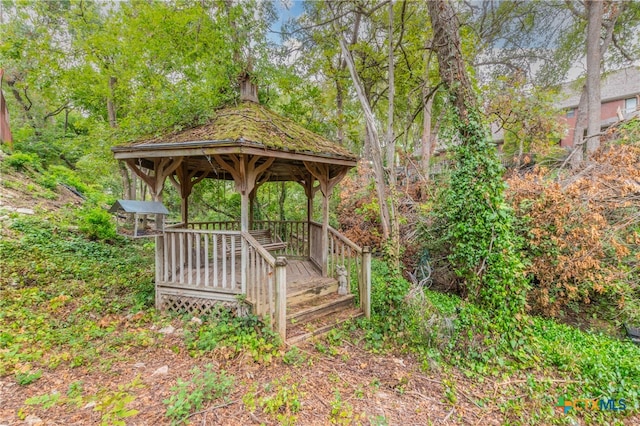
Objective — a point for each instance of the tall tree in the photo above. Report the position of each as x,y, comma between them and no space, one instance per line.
599,34
477,223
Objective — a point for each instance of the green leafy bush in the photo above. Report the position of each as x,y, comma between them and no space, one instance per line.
388,289
235,335
22,161
28,377
97,224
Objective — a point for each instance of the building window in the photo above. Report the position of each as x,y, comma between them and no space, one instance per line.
571,112
630,105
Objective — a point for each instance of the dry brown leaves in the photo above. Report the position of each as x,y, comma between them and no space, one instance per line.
580,228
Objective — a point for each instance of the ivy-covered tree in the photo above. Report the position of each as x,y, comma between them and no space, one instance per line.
476,223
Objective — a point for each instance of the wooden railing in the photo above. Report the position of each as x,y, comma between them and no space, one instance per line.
356,262
199,260
343,252
294,232
222,265
315,248
266,279
229,225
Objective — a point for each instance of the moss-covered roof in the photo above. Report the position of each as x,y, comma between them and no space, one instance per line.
252,123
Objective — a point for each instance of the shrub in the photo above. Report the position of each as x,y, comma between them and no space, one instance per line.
21,161
388,289
581,235
97,224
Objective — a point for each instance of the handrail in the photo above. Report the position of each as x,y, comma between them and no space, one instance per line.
175,226
345,240
261,250
202,231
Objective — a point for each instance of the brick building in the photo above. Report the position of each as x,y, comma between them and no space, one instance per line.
620,94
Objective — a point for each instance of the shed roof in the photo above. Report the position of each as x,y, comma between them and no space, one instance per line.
245,124
140,207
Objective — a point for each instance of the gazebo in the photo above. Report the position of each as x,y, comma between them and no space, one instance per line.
304,267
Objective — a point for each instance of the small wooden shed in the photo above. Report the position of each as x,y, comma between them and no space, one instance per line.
199,263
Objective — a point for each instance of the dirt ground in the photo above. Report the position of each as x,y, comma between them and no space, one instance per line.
345,385
371,387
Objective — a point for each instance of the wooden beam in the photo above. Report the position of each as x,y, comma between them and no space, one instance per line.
199,151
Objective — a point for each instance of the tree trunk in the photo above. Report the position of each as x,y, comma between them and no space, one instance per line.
373,140
340,110
281,200
577,156
426,139
452,70
595,52
394,248
111,103
594,26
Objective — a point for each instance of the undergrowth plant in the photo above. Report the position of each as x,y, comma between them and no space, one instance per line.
57,304
190,396
230,335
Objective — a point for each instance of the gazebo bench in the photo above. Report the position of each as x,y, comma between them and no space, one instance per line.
262,236
267,240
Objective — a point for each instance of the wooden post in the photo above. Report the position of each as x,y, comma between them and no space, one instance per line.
322,172
252,201
244,212
365,295
159,265
281,297
325,232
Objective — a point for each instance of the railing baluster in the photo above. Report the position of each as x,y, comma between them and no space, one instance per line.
174,254
206,260
181,265
167,254
233,262
198,261
224,261
189,258
216,266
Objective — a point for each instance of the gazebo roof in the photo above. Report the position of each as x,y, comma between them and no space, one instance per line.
243,126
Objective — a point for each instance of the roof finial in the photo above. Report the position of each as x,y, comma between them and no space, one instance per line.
248,89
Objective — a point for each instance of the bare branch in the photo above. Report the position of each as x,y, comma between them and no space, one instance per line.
572,7
621,49
57,111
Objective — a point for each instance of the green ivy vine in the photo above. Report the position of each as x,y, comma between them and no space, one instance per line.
475,224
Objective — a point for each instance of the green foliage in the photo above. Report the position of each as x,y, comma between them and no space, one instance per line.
294,356
282,402
388,290
28,377
53,287
21,161
443,330
341,410
191,395
232,335
472,226
114,404
97,224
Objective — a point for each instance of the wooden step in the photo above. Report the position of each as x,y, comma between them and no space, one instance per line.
312,290
321,307
308,330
